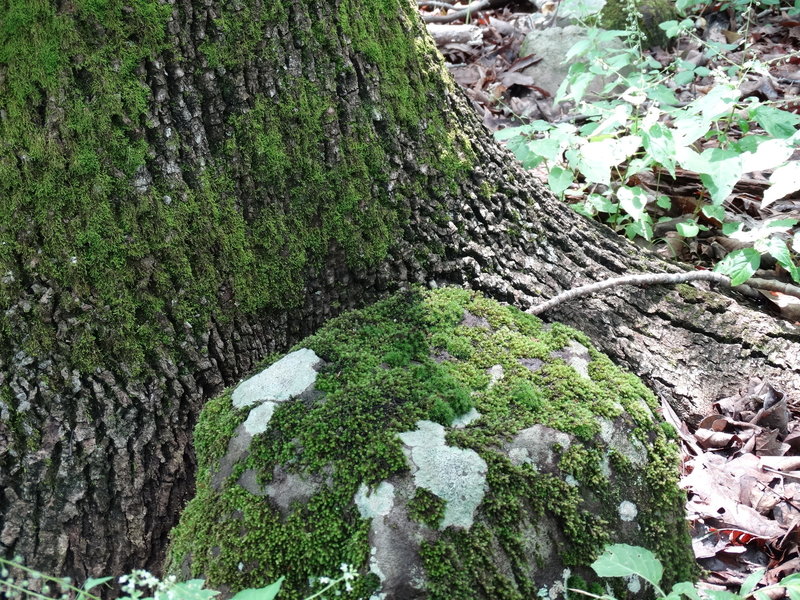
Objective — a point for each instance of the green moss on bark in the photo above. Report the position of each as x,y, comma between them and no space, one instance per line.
126,245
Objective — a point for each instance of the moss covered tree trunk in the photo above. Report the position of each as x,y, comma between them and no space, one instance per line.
189,185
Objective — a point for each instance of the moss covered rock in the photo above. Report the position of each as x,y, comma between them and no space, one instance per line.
446,445
648,14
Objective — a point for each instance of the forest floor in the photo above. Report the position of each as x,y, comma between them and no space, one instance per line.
741,464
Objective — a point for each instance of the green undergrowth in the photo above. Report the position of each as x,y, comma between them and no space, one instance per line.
293,169
427,355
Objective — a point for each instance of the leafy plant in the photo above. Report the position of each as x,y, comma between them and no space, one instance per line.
643,128
20,581
621,560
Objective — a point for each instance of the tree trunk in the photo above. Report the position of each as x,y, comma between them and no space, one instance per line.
190,185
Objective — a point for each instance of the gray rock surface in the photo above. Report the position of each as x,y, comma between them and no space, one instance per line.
551,46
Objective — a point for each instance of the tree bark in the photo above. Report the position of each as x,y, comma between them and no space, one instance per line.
191,185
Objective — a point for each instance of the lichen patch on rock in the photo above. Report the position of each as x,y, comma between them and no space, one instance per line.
292,375
456,475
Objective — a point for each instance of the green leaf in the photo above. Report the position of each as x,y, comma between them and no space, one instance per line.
791,580
531,160
577,80
265,593
580,9
559,180
777,248
684,588
603,204
730,228
539,126
664,202
785,180
662,94
565,134
763,230
674,28
751,582
722,170
579,48
510,132
617,118
547,148
683,77
638,165
768,154
597,158
93,582
580,208
632,200
660,146
670,27
642,228
792,585
192,590
714,211
621,560
687,129
688,229
739,265
777,123
781,225
715,103
519,147
749,143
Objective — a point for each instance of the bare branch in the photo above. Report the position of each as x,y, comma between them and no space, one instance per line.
466,12
662,278
641,279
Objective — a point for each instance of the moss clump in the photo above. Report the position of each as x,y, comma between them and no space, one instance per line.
576,582
386,368
213,431
426,508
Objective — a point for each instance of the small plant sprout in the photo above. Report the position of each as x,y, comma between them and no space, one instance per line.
18,581
621,560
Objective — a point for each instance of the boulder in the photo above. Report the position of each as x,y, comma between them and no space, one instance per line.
446,446
551,46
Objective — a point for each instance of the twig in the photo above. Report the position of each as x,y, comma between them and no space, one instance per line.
661,278
474,7
436,4
642,279
774,286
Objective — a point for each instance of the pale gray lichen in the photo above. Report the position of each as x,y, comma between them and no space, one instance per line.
376,503
627,510
457,475
291,376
